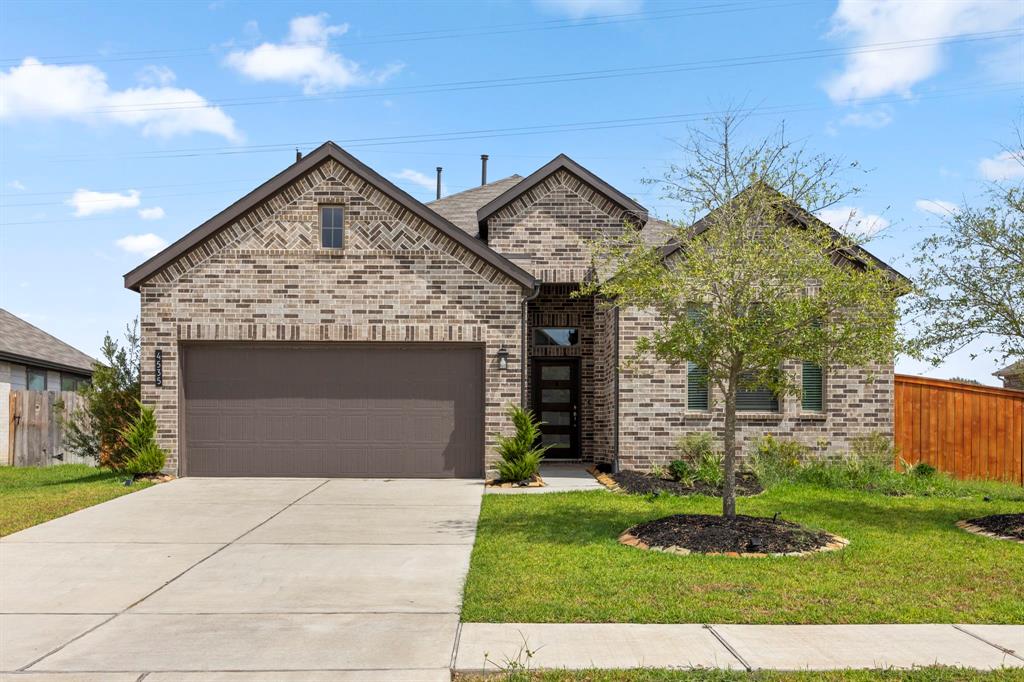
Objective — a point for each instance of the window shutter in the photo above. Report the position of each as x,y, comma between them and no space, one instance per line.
756,400
696,387
813,397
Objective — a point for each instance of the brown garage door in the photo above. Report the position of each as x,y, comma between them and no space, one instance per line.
333,410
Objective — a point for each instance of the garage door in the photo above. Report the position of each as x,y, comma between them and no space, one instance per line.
333,410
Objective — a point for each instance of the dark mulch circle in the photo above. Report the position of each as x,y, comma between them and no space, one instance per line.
646,484
706,533
1008,525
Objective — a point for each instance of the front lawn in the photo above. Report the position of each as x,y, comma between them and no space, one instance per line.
932,674
31,495
555,558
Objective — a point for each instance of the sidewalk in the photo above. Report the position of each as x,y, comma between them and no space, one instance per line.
737,647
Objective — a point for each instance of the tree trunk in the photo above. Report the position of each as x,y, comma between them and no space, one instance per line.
729,487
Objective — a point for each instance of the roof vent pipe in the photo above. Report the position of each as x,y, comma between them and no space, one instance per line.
439,182
298,155
483,169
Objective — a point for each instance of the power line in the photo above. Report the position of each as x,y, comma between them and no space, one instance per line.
572,76
439,34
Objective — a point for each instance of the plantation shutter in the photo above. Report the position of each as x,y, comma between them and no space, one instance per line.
812,399
756,399
697,396
696,387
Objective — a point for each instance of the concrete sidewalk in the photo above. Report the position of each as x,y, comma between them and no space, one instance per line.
489,646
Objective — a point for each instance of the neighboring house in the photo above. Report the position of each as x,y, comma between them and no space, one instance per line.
1012,375
34,360
30,358
329,324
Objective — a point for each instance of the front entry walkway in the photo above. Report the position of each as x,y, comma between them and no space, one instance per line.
292,578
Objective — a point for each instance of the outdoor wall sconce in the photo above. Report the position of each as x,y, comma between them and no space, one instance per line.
503,358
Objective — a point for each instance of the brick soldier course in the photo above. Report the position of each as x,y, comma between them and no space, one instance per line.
420,273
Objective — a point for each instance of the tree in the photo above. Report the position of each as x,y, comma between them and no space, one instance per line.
111,403
758,280
970,284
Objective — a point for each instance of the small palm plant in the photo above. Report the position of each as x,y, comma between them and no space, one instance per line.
520,453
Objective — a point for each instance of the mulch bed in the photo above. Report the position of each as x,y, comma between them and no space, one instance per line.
743,536
1002,526
534,482
645,484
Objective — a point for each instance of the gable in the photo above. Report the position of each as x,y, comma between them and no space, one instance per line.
271,217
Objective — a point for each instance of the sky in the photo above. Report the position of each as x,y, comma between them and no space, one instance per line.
123,125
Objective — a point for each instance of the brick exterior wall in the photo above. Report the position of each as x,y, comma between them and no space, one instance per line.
265,278
653,414
546,230
605,384
555,307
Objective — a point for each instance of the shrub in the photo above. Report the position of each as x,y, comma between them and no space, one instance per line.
710,469
693,446
775,460
520,454
923,470
698,461
139,438
682,471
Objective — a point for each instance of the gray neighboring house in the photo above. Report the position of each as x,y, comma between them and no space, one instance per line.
1012,375
32,359
330,324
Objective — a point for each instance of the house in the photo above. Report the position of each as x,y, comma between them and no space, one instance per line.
329,324
34,360
1012,375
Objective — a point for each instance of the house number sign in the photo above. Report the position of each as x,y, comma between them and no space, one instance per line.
158,367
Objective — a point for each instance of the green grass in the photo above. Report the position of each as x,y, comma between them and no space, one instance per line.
29,495
555,558
931,674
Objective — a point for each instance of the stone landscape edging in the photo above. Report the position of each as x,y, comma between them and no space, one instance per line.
978,530
836,543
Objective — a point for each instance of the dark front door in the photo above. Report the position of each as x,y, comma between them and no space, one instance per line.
556,393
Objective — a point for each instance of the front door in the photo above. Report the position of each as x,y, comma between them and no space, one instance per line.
556,391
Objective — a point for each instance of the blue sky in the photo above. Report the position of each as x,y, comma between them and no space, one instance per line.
125,125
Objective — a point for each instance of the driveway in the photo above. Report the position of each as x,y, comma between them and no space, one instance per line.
202,579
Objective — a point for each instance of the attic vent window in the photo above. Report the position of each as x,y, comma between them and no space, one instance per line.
332,227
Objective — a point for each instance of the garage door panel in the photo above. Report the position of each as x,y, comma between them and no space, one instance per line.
333,410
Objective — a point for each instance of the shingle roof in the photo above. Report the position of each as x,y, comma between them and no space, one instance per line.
1011,370
460,208
23,342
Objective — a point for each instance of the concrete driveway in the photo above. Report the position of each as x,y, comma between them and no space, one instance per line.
203,579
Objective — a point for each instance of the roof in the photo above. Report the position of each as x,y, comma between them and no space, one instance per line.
807,219
28,344
1011,370
328,150
560,162
461,208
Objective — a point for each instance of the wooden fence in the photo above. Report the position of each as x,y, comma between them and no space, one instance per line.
35,436
968,431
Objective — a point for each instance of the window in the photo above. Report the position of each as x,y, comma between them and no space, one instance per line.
812,397
556,336
332,227
756,399
696,387
697,396
35,379
72,382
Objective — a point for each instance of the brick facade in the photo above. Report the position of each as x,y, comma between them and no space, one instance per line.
265,278
653,414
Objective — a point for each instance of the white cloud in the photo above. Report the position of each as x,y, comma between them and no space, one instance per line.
147,244
580,9
17,184
80,92
86,202
875,73
417,178
874,118
156,75
1004,166
304,58
154,213
937,207
853,222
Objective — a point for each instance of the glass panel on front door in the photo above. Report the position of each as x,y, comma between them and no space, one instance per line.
556,403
